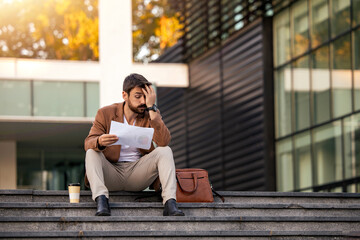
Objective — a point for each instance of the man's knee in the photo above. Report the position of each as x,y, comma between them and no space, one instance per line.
164,151
91,155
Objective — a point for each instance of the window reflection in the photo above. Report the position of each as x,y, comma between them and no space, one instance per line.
320,24
282,38
356,12
50,100
92,99
302,93
352,146
340,20
300,38
328,153
15,98
321,85
283,101
285,167
356,51
48,168
341,76
303,165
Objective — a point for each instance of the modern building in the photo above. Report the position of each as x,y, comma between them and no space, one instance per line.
273,101
265,95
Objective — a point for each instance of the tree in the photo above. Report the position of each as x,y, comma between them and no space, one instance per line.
156,27
49,29
68,29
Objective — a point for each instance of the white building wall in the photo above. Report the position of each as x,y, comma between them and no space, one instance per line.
7,164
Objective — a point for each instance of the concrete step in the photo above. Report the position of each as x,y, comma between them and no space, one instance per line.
230,197
187,223
29,214
211,235
61,209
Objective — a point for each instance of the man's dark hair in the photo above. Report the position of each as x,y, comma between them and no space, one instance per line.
134,80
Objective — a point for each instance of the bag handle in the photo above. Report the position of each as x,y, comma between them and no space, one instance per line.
195,183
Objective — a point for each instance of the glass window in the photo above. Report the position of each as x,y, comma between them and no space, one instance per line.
321,85
303,165
352,146
58,99
327,153
282,37
302,93
92,99
15,98
341,76
356,12
49,168
300,37
284,166
283,101
29,163
320,24
340,20
356,49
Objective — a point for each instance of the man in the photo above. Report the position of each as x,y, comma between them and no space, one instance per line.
116,167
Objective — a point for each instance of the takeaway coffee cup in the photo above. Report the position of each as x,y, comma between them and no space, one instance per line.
74,192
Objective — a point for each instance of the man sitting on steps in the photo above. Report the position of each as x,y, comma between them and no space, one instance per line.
126,168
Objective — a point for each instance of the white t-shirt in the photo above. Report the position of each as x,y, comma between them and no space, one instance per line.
127,153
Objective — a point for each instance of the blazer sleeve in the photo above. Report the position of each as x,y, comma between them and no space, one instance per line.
98,128
162,135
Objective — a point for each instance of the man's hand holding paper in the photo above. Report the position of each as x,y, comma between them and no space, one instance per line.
131,135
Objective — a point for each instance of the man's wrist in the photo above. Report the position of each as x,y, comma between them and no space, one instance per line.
153,108
99,145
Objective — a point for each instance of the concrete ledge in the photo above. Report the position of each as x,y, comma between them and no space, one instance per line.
224,193
287,194
48,205
76,234
181,219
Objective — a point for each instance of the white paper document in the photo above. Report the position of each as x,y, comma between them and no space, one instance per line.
132,136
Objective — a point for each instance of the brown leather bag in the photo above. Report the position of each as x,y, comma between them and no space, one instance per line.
193,186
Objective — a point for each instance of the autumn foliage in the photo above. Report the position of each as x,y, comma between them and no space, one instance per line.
69,29
156,27
49,29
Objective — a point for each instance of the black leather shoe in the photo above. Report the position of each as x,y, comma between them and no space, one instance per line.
171,209
103,208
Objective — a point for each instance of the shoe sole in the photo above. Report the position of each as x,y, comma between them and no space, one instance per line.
176,214
103,214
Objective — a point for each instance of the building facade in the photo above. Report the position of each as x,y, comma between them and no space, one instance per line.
273,99
317,91
265,95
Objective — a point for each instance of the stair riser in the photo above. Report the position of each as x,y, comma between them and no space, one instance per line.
183,226
198,212
250,200
202,237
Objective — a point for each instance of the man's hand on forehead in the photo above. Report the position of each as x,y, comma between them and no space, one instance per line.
150,95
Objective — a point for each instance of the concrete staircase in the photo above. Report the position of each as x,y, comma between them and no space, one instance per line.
244,215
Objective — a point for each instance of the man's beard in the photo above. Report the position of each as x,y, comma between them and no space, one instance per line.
137,109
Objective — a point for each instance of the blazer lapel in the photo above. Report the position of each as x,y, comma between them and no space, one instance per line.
119,117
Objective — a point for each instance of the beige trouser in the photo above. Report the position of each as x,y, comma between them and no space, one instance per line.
105,176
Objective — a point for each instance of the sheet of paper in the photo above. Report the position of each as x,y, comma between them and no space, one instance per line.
132,136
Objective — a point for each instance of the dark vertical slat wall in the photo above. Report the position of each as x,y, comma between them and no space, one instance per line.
171,102
242,62
218,122
204,116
